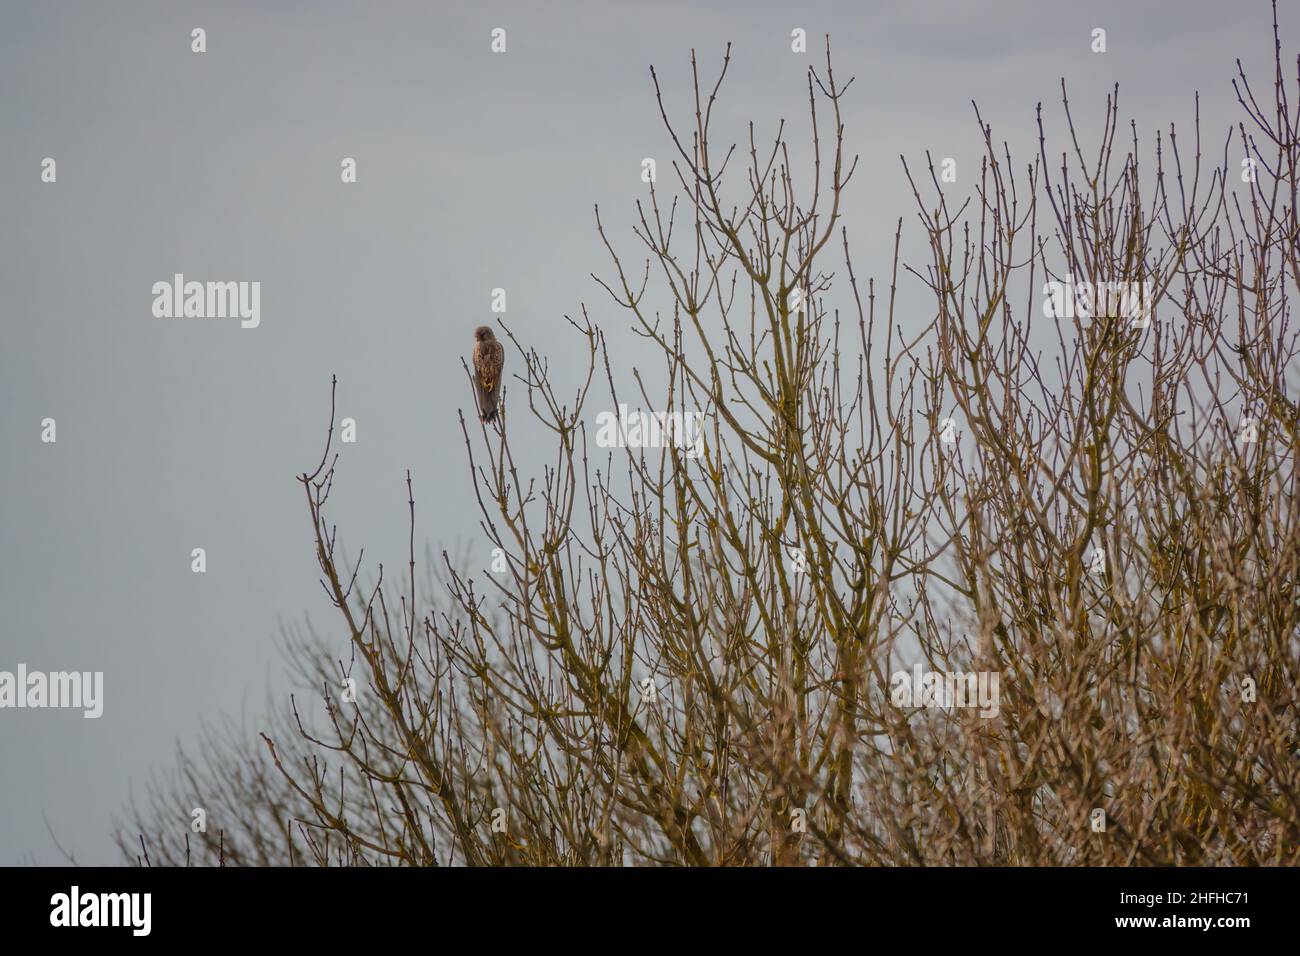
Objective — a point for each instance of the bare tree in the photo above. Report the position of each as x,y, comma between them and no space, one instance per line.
696,648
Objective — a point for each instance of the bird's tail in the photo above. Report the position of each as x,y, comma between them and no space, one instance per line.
487,403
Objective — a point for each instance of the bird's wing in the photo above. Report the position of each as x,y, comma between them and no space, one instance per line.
489,357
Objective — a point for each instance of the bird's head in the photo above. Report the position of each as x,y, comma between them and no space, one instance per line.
484,333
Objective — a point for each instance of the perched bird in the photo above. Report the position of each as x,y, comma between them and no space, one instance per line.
489,356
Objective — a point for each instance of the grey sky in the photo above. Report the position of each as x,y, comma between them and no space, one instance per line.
475,171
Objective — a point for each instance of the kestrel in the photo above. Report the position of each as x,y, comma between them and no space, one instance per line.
489,356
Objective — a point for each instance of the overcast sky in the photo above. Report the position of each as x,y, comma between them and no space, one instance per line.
475,171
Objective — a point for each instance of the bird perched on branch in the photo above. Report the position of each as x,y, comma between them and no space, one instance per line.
489,357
